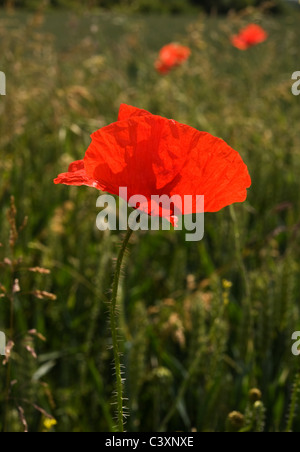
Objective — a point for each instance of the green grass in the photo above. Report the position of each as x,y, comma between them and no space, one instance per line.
194,345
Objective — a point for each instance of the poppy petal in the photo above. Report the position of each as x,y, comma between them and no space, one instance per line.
216,171
76,175
249,36
171,55
239,43
162,68
151,155
127,111
142,153
157,157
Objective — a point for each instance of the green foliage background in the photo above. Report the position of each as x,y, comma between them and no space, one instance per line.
161,6
203,323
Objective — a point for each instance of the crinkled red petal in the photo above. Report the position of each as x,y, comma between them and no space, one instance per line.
152,155
76,175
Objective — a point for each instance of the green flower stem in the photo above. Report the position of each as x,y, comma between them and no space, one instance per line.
113,326
293,404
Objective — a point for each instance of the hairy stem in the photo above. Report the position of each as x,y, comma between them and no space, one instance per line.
113,327
293,404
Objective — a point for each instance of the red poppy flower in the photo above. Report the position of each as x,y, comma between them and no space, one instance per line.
154,156
171,55
249,36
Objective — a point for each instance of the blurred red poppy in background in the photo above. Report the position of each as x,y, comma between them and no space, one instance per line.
249,36
171,55
151,155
